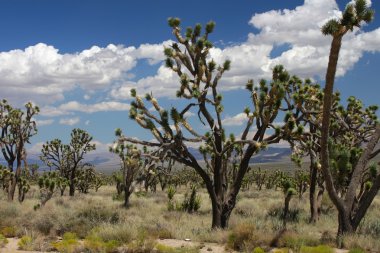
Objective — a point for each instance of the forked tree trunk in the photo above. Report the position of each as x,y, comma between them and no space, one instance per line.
14,181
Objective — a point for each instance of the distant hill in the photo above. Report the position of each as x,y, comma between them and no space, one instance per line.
109,162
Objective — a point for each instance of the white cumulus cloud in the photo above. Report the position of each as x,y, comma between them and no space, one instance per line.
237,120
69,121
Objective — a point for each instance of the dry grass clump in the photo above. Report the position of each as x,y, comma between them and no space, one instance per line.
245,237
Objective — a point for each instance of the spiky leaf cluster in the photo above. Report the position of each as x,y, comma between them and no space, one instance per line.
354,15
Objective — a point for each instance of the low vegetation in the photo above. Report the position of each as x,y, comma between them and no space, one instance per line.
101,224
251,209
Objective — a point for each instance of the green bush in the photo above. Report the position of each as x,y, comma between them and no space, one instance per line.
245,237
167,249
26,243
192,202
258,250
99,214
120,233
3,241
295,241
94,243
69,243
317,249
278,212
8,232
356,250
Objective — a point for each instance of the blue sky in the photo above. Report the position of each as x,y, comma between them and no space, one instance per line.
78,59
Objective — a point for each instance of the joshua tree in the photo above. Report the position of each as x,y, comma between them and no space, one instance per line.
199,78
288,188
17,127
49,182
85,178
354,14
67,158
131,166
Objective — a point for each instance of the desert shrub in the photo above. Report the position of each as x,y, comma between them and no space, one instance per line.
7,214
244,237
3,241
98,214
316,249
192,202
371,227
170,193
141,194
120,233
293,214
357,241
143,243
356,250
258,250
44,224
283,250
295,241
8,232
328,238
94,243
69,243
26,243
167,249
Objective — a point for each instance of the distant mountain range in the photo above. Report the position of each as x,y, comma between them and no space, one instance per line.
108,162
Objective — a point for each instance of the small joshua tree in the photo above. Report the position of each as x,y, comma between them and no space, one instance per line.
288,187
85,178
49,183
131,166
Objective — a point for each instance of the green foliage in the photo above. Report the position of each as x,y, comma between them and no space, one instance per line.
357,250
167,249
295,241
258,250
8,232
86,178
192,202
354,14
69,243
66,158
26,243
17,127
316,249
170,193
48,183
3,241
94,243
245,237
99,214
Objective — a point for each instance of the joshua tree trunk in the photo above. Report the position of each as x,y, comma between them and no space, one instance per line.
312,197
15,179
72,183
288,197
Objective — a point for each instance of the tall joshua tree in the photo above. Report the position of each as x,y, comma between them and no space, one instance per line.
17,127
226,157
353,16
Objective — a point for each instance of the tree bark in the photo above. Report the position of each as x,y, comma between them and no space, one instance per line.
72,185
312,194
